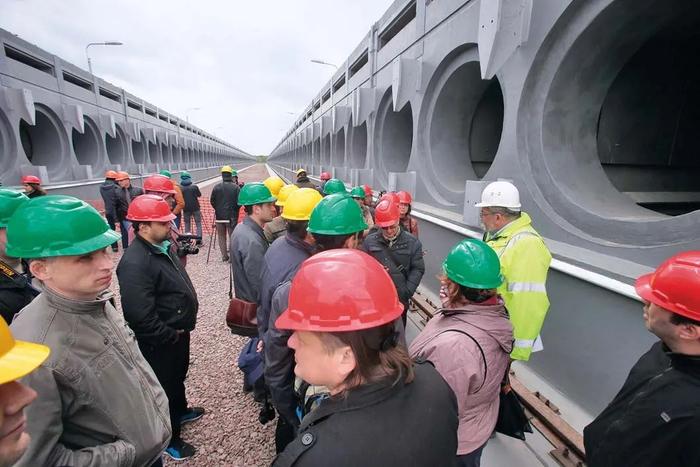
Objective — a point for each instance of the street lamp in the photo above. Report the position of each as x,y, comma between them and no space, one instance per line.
187,110
321,62
98,43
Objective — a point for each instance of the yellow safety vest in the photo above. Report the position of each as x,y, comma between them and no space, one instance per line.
525,261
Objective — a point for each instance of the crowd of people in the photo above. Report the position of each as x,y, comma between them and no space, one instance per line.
328,275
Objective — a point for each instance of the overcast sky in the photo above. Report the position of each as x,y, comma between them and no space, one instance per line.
244,63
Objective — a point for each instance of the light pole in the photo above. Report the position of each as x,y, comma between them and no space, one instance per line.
321,62
187,110
87,47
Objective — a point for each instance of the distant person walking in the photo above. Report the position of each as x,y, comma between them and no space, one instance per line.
191,194
224,200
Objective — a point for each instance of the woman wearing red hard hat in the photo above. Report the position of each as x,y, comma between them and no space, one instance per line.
32,186
655,418
342,308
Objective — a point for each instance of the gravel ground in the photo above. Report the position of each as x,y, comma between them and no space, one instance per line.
229,434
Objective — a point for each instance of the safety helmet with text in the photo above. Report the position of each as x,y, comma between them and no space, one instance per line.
674,285
386,213
149,208
500,194
340,290
300,204
57,225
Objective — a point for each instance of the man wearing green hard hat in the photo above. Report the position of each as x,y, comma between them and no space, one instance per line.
16,290
99,402
333,186
191,195
468,335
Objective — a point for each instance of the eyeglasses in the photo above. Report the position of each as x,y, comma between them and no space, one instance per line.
484,213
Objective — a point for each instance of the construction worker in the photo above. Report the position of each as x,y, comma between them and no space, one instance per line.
179,200
248,243
524,259
274,184
654,419
303,180
334,186
280,263
408,222
277,227
160,305
398,251
16,290
125,193
17,359
325,176
469,341
358,194
342,310
108,192
32,186
369,199
224,200
99,402
191,195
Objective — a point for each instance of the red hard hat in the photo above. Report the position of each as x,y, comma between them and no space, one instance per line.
340,290
391,196
111,174
386,213
159,183
31,179
405,197
368,190
674,285
147,208
325,176
122,176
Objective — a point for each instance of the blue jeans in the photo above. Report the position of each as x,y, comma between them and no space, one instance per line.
124,227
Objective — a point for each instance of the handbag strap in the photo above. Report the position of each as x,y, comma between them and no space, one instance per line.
392,259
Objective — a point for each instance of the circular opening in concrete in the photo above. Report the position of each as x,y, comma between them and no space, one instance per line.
116,147
609,122
42,143
85,145
138,149
394,137
358,146
339,149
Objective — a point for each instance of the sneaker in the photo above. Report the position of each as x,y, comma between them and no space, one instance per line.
192,414
180,450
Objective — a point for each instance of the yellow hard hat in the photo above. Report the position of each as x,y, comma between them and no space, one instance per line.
274,184
300,203
284,193
18,358
226,168
300,171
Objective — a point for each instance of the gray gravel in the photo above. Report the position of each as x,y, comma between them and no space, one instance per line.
229,434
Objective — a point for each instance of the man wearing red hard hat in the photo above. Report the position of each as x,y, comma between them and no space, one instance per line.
655,418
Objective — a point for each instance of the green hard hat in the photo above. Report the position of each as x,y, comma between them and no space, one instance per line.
10,201
474,264
255,193
336,214
333,186
234,173
57,225
358,192
167,173
185,174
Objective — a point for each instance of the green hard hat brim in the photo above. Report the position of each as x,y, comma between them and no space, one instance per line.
74,249
465,282
348,231
271,199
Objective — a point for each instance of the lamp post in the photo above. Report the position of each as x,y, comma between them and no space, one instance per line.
87,47
321,62
187,110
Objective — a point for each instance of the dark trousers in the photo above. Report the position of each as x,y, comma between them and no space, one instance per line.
221,231
473,459
112,225
284,433
170,363
124,228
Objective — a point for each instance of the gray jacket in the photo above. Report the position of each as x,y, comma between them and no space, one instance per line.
99,401
247,249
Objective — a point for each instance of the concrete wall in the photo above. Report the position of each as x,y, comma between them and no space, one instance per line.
589,107
63,124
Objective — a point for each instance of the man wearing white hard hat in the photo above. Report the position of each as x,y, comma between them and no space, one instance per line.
524,263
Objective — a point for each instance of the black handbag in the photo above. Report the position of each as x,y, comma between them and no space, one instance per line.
512,420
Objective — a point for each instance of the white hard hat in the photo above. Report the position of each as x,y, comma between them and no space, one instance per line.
500,194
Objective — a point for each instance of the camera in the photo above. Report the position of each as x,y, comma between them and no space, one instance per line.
187,244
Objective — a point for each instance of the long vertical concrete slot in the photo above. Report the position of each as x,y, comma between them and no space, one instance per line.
629,137
138,149
116,148
85,145
339,149
358,146
395,138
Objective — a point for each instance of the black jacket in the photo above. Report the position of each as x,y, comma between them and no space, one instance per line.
224,200
108,192
191,194
157,295
655,418
381,425
304,182
124,198
407,267
14,296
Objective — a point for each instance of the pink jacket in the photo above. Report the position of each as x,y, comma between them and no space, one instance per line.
458,359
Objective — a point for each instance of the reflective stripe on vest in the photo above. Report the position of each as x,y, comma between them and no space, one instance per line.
524,343
526,287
